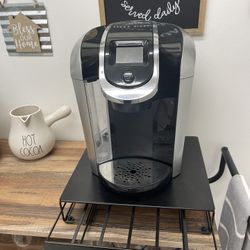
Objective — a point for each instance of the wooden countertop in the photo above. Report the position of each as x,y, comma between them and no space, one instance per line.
30,191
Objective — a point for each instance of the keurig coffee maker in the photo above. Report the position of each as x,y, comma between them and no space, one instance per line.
133,82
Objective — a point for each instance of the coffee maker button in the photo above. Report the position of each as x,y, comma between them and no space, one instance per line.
128,77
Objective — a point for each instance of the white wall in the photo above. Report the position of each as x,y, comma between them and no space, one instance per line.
46,81
220,108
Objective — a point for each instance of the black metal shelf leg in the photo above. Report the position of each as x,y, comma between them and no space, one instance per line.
104,225
89,220
84,214
183,229
68,218
62,206
157,229
57,219
211,219
131,224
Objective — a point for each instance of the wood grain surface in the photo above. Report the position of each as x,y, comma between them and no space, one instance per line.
30,190
29,194
7,243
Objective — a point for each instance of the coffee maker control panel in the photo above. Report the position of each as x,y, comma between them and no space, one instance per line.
129,62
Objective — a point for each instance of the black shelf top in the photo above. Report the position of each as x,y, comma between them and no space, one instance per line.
189,190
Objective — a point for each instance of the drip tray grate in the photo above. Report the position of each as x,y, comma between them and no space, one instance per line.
134,175
91,226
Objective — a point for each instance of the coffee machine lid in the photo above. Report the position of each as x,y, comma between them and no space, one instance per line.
129,61
126,58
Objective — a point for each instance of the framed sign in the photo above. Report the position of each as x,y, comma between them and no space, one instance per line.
25,29
188,14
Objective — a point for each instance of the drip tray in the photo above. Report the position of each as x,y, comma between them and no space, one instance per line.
134,175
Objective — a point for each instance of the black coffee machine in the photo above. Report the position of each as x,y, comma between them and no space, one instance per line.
133,82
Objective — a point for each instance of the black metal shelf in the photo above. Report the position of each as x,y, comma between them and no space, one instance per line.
84,187
86,218
188,192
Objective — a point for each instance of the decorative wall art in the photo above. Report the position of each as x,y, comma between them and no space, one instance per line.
188,14
24,33
25,29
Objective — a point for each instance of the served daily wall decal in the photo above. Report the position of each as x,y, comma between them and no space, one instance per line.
187,14
161,12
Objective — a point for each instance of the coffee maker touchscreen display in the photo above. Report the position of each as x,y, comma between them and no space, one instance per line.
129,54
